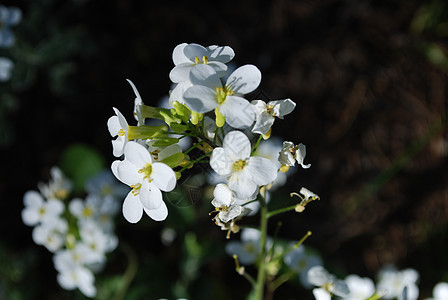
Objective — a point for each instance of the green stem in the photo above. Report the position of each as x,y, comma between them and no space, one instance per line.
261,277
194,161
281,210
256,144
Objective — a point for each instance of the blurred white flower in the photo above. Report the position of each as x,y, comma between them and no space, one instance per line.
300,260
9,16
6,66
392,282
361,288
439,292
37,210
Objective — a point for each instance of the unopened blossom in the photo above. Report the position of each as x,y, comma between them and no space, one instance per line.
208,93
187,56
440,291
265,113
118,127
37,210
245,173
9,16
291,153
320,277
147,179
392,282
224,202
361,288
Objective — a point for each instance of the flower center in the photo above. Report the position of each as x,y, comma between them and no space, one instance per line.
146,171
222,93
121,132
204,60
136,189
87,212
270,110
239,165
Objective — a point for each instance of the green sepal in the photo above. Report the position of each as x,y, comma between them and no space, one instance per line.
165,141
173,160
196,117
170,116
178,128
182,111
375,296
151,112
220,119
146,132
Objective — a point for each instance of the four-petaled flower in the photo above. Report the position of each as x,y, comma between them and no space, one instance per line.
224,202
208,93
187,56
245,172
147,179
291,153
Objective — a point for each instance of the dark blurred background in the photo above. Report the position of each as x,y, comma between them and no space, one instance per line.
370,82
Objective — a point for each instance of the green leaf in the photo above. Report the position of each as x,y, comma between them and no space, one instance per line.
79,162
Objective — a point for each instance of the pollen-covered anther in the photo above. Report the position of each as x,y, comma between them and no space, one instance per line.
146,171
136,189
204,60
121,132
239,165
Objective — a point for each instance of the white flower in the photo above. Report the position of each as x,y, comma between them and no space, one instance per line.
9,16
245,172
6,66
51,234
83,210
118,126
248,248
225,203
320,277
265,113
440,291
59,186
72,272
177,94
37,210
147,179
187,56
361,288
208,93
308,195
392,282
300,260
291,153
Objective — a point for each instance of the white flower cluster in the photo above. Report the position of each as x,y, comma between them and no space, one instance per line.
153,159
79,232
9,16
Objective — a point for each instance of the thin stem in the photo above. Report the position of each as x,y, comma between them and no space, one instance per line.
130,271
281,210
261,277
193,162
256,144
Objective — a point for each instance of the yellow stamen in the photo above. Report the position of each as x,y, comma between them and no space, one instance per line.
146,171
239,165
121,132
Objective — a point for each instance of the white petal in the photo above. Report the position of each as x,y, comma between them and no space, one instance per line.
242,185
66,281
219,67
163,176
137,154
191,51
244,80
32,199
205,75
321,294
220,163
113,125
118,146
223,54
132,208
233,212
178,54
236,146
121,119
134,88
300,155
262,170
128,173
158,214
223,195
264,123
181,72
259,106
177,94
150,195
238,111
282,107
201,99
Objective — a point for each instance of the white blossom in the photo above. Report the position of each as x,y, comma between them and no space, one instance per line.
244,172
392,282
224,202
118,127
265,113
147,179
361,288
291,153
37,210
440,291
